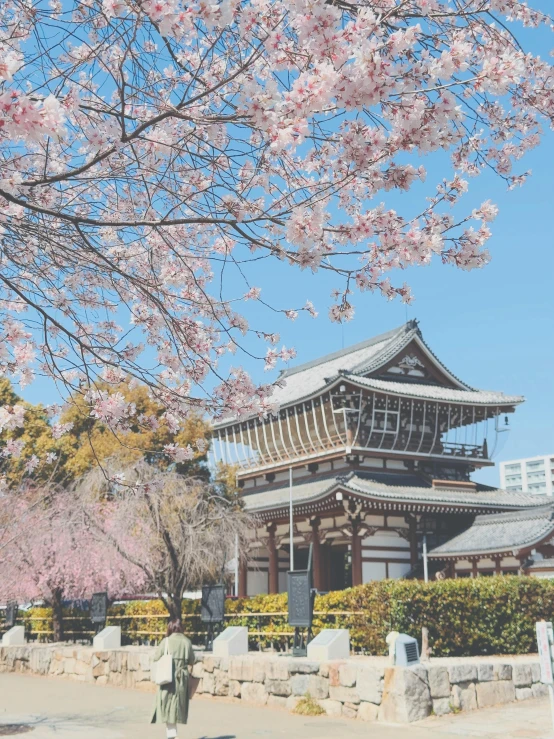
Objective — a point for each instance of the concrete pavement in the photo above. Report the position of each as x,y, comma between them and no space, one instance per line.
56,709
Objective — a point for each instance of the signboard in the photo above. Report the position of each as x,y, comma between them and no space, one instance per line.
99,608
11,614
212,609
300,598
545,640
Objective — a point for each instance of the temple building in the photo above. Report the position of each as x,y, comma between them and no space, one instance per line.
371,451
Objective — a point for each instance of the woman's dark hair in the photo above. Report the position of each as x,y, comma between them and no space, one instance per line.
174,627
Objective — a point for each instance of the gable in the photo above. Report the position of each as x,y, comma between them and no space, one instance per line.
415,363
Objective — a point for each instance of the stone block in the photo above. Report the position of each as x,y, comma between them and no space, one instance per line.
254,693
234,689
503,672
232,641
258,672
198,670
99,670
406,695
334,674
464,673
208,683
108,638
69,666
485,673
277,669
330,644
368,711
539,690
344,695
349,712
536,672
210,662
523,694
279,687
318,687
221,682
277,701
439,683
303,667
102,680
522,675
347,675
332,708
81,668
324,670
464,695
495,692
441,706
14,637
299,684
291,702
369,684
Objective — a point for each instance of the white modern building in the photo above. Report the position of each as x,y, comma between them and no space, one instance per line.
531,475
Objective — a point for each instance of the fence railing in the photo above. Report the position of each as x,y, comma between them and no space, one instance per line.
266,629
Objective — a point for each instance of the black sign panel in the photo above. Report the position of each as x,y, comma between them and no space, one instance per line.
99,608
300,598
213,604
11,614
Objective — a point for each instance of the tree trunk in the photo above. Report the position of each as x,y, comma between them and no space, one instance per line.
174,604
57,615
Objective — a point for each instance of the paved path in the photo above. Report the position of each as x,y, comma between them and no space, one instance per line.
57,709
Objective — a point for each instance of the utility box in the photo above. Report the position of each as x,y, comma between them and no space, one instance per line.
406,651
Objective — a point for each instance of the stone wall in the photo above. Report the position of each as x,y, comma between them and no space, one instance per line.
364,688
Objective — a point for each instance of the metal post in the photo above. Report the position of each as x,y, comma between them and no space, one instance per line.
291,521
236,565
551,694
425,563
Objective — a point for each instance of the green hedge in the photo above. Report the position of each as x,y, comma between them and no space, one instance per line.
493,615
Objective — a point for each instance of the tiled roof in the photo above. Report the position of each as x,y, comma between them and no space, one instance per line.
312,378
384,487
437,392
501,533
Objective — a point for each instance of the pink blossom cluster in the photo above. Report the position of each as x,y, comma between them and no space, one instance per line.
157,157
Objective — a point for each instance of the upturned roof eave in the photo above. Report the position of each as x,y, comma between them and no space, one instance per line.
508,400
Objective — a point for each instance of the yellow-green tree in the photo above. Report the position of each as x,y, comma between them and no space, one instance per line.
89,442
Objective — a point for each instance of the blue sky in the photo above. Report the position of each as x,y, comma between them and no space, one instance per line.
492,327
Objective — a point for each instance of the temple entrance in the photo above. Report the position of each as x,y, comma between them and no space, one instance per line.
338,567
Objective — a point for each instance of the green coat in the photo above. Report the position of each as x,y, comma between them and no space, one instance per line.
172,700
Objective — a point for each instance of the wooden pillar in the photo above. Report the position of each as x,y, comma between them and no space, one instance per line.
243,576
273,560
414,556
316,551
356,556
474,570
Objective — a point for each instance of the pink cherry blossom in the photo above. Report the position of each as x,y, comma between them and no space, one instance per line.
171,153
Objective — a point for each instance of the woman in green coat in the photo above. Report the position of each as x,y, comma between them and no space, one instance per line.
172,700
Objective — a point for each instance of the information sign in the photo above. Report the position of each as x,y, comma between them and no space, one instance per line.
212,610
545,641
11,614
300,598
99,608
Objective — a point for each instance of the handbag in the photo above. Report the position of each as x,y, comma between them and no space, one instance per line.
164,667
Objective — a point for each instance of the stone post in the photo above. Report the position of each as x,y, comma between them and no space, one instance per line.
413,541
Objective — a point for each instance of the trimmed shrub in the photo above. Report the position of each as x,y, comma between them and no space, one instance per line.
489,615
